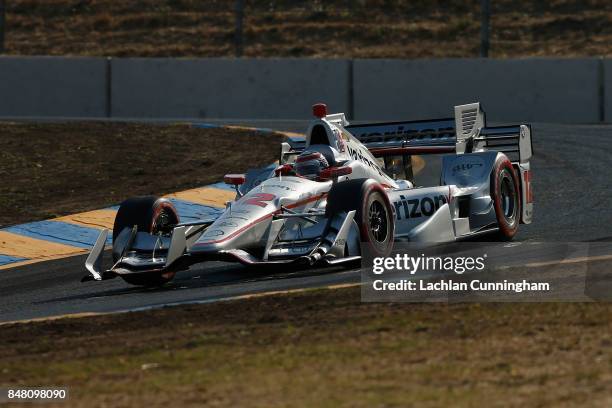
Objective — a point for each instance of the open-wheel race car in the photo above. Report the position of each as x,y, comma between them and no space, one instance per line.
344,186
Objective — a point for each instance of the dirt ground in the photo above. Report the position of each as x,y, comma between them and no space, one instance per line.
49,170
321,348
331,28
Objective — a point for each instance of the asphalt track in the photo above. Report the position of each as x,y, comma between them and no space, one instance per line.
573,196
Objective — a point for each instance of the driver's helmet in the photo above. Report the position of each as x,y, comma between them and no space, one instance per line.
310,163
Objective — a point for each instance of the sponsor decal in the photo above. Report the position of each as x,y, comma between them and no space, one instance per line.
528,189
340,141
357,155
258,199
418,207
280,186
214,233
227,224
291,250
238,218
464,169
401,134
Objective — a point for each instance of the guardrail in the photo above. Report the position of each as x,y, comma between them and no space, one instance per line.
534,89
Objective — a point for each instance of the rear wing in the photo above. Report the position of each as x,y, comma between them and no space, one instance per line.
466,132
414,137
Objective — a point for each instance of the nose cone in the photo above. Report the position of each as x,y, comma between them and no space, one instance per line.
245,223
240,226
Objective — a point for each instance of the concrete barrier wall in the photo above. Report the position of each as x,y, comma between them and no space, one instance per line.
226,88
533,90
542,90
606,78
53,86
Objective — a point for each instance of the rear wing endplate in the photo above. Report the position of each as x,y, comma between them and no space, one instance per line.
473,135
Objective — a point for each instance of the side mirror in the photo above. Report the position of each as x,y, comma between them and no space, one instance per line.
335,172
234,179
283,170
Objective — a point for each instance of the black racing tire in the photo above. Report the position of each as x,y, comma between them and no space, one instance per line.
150,214
505,192
374,212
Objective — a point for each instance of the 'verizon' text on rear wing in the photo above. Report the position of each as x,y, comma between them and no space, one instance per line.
419,137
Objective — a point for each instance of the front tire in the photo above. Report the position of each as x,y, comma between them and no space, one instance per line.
152,215
374,213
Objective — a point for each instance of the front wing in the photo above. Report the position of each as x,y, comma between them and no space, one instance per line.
141,252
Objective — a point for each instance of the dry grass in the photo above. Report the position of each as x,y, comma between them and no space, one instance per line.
63,168
282,28
322,348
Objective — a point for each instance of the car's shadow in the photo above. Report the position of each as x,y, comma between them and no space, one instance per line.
205,275
228,275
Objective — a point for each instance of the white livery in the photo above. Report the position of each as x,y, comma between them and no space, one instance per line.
343,187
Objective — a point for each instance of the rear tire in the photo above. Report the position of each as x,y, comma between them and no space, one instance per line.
152,215
505,193
374,213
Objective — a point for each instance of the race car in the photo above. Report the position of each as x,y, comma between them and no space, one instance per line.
340,190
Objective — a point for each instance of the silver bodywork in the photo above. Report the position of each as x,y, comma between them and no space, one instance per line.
281,219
